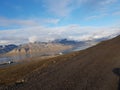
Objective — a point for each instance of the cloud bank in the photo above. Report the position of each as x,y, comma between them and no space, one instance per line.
33,39
44,34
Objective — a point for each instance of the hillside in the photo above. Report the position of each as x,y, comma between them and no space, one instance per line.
37,49
96,68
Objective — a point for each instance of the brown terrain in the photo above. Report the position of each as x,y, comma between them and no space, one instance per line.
43,50
39,48
96,68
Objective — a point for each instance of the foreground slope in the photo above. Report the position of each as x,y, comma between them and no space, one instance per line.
96,68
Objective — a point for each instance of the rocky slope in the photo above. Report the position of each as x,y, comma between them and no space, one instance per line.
38,49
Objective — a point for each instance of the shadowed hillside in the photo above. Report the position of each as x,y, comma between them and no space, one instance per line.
96,68
7,48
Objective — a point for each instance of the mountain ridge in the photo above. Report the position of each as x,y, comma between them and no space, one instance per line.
6,48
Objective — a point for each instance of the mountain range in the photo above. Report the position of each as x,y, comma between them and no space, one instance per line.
45,49
76,44
37,49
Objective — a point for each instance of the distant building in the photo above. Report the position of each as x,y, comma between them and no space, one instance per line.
60,53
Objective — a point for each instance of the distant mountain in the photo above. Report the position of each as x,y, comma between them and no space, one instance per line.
67,42
45,47
79,45
41,49
7,48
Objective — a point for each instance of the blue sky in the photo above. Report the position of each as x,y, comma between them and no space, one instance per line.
43,20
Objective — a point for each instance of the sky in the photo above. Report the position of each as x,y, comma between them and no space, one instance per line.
23,21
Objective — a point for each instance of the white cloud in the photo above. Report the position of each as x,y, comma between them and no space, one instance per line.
75,32
96,35
59,7
5,22
102,8
33,39
66,7
62,7
2,42
17,22
116,13
50,21
95,16
107,2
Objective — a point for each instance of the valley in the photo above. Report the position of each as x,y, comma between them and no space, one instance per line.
94,68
